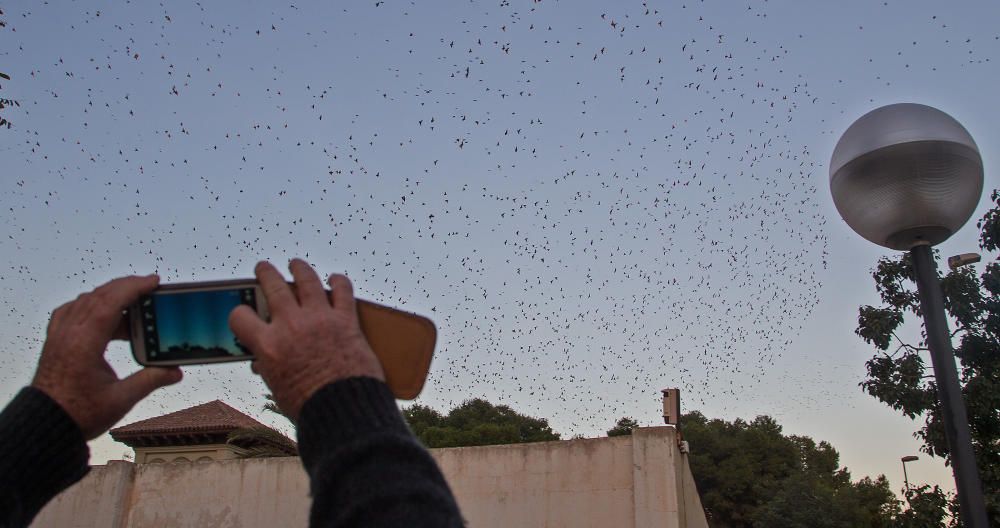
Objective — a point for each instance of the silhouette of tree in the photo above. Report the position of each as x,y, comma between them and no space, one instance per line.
900,377
623,427
749,474
476,422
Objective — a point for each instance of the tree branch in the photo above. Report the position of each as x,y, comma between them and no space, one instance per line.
909,347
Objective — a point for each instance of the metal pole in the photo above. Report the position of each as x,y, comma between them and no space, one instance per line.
956,423
906,480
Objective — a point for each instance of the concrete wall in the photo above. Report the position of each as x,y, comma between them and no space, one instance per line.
631,481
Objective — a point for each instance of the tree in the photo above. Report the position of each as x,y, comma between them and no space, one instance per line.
807,501
749,474
623,427
476,422
272,406
899,376
927,508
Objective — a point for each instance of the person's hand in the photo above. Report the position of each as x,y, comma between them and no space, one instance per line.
312,339
72,370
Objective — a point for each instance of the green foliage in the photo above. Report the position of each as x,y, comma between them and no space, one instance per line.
749,474
623,427
901,378
876,325
476,422
272,407
805,501
928,508
989,226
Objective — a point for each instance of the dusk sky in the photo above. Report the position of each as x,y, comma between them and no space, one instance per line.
196,318
592,200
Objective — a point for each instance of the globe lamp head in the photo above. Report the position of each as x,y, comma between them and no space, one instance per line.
905,175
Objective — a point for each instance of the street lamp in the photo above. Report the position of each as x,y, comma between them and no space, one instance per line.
904,460
906,177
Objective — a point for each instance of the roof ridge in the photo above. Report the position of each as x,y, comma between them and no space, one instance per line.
215,415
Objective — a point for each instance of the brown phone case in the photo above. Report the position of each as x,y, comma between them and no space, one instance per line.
404,343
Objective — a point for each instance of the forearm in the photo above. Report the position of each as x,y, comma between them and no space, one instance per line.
43,453
364,465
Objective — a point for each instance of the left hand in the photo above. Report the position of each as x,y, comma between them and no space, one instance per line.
72,370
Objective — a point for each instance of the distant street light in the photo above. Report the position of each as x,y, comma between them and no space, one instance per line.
904,460
906,177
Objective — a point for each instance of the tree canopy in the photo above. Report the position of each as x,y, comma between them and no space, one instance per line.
900,375
476,422
749,474
623,427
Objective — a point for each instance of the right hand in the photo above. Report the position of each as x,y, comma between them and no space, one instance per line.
312,340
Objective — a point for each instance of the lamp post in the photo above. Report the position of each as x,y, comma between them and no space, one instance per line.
904,460
906,177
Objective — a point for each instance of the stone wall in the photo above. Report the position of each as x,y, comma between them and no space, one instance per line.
641,480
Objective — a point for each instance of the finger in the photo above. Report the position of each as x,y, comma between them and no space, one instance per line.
342,293
138,385
280,298
308,287
57,316
253,367
124,330
247,326
109,299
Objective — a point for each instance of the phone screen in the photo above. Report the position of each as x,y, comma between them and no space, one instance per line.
193,325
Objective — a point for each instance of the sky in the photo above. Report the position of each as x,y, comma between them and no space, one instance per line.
196,319
593,201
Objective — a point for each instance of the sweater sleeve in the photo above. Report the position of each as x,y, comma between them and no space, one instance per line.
365,466
44,452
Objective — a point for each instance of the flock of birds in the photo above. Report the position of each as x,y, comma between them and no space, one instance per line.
592,202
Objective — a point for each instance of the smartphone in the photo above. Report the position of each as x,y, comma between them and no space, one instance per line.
188,324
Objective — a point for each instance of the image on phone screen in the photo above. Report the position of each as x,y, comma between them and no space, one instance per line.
192,325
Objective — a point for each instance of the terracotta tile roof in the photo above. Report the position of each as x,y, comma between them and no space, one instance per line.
211,417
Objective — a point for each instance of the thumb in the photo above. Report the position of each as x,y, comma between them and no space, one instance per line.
247,326
138,385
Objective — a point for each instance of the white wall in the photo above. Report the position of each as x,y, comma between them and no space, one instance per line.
631,481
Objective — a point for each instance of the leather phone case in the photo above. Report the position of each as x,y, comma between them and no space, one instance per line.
404,343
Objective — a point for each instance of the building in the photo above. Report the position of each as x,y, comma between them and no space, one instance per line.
642,481
197,434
